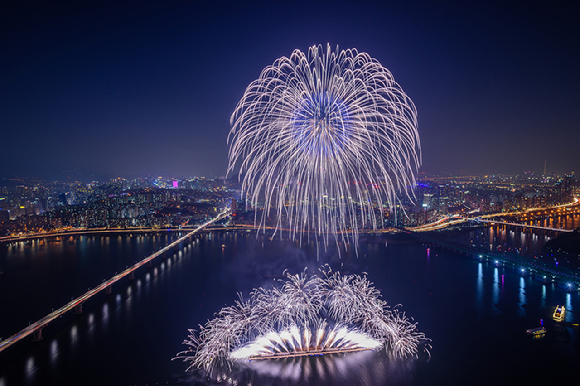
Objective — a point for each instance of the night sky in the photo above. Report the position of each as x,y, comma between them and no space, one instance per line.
138,88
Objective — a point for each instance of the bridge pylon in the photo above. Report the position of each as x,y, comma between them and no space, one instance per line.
79,309
37,335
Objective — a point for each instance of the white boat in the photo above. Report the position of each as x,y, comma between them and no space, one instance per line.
559,313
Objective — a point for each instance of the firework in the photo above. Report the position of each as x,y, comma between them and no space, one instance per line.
326,141
303,316
295,342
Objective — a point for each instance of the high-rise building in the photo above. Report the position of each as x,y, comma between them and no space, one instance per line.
427,200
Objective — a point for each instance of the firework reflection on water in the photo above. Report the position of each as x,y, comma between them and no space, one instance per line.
365,368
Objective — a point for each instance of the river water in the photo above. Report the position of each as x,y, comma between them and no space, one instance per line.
475,313
527,242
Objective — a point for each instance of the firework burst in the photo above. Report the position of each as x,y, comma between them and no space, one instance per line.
303,316
327,140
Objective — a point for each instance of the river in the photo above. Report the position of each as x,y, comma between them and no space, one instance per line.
475,313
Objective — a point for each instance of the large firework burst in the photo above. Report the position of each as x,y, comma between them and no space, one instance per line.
327,140
303,316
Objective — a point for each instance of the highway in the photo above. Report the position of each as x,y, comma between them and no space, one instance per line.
37,326
456,219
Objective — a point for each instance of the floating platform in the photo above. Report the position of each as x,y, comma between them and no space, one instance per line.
536,331
305,353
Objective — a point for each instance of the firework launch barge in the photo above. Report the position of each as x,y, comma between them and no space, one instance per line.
310,352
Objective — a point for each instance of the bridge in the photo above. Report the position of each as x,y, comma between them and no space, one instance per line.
522,225
35,329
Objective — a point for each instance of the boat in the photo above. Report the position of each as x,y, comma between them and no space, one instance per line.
559,313
536,331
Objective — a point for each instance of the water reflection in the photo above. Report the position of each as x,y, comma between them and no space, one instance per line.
522,297
480,288
495,286
117,306
53,352
74,338
129,301
29,369
105,316
543,299
569,316
91,326
365,368
525,241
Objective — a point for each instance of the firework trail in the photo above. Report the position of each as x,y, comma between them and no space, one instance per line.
303,315
326,140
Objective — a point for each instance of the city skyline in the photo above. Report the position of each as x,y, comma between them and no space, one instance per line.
37,207
115,89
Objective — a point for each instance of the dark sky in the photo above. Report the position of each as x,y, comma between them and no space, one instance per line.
137,88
